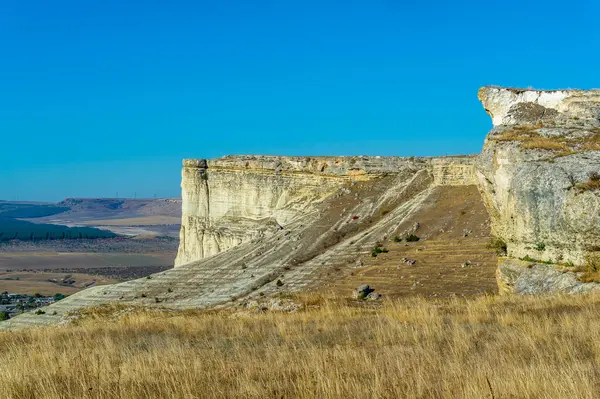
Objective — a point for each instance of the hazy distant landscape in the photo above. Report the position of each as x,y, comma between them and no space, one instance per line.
76,243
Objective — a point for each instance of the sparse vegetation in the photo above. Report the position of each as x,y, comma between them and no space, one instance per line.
520,347
540,246
591,269
528,258
529,138
59,296
546,143
412,238
498,245
378,250
397,239
592,184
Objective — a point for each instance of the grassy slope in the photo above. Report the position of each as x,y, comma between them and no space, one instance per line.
485,347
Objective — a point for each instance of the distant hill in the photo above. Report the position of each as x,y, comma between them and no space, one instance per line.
30,211
122,216
119,208
15,229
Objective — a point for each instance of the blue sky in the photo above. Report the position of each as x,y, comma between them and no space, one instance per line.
105,97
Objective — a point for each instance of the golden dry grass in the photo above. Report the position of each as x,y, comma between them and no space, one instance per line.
545,143
589,185
529,138
488,347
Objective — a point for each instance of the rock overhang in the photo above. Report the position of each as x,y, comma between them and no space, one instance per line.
510,106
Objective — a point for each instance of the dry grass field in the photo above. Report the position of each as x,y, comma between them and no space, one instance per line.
486,347
49,283
29,272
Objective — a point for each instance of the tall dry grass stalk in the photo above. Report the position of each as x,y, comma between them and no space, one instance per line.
488,347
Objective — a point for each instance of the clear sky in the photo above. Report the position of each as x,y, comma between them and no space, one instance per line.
100,97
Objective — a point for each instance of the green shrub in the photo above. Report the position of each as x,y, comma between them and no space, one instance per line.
397,239
540,246
378,250
4,316
40,311
412,238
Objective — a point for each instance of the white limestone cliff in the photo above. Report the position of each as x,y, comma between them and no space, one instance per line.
233,200
535,171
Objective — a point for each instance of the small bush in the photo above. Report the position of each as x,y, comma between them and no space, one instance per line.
40,311
4,316
591,268
279,283
540,246
592,263
412,238
378,250
397,239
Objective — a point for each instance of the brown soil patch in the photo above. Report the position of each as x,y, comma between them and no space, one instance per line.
453,230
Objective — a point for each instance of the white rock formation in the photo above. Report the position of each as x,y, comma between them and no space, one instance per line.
502,103
534,172
234,200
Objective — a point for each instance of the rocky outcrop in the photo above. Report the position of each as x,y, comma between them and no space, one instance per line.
529,278
231,201
238,199
537,172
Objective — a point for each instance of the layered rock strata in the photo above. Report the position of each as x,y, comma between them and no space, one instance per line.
234,200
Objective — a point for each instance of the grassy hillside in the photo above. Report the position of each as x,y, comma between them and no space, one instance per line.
490,347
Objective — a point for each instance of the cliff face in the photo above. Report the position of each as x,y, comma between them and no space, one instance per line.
537,172
234,200
230,201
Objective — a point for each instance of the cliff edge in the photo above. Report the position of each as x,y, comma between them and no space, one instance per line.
539,175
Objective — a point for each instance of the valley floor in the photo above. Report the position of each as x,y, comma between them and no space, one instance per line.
484,347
